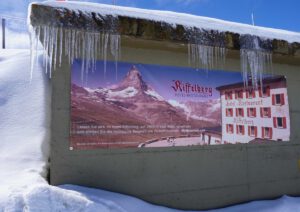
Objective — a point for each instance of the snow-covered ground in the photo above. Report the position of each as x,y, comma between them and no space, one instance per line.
16,39
189,141
24,140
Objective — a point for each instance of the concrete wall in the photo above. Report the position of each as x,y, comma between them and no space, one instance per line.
198,177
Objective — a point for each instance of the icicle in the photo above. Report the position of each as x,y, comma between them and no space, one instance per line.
255,61
207,57
44,44
60,45
83,58
58,42
32,56
206,49
106,36
114,48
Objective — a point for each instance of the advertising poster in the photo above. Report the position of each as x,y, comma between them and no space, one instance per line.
142,106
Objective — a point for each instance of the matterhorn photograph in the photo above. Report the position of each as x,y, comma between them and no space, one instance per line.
140,105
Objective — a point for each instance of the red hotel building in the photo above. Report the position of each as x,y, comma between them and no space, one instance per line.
249,115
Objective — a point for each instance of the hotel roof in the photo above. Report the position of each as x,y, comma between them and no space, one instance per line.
266,80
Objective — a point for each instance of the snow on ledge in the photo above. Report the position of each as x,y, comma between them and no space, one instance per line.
174,18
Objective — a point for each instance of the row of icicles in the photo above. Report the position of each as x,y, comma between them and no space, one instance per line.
59,43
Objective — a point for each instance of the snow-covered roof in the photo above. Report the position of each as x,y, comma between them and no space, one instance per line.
174,18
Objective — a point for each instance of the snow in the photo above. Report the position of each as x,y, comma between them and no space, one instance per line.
126,93
24,128
154,94
202,118
111,94
215,105
179,105
24,131
174,18
283,204
14,39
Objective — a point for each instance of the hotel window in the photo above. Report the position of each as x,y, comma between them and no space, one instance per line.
266,132
264,92
251,112
229,112
239,112
279,122
228,95
252,131
240,129
250,93
278,99
229,128
239,94
265,112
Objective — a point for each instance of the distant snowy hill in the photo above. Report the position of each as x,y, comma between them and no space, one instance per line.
209,110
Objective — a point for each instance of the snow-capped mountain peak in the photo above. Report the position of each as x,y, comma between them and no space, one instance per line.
134,79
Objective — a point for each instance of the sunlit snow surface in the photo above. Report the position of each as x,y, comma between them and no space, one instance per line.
24,128
23,125
15,39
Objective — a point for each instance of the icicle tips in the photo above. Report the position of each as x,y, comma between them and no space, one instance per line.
58,43
256,59
206,49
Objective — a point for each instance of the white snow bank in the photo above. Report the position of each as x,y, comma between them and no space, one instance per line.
283,204
23,127
178,18
13,39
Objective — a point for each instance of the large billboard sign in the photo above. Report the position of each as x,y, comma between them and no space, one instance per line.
162,106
